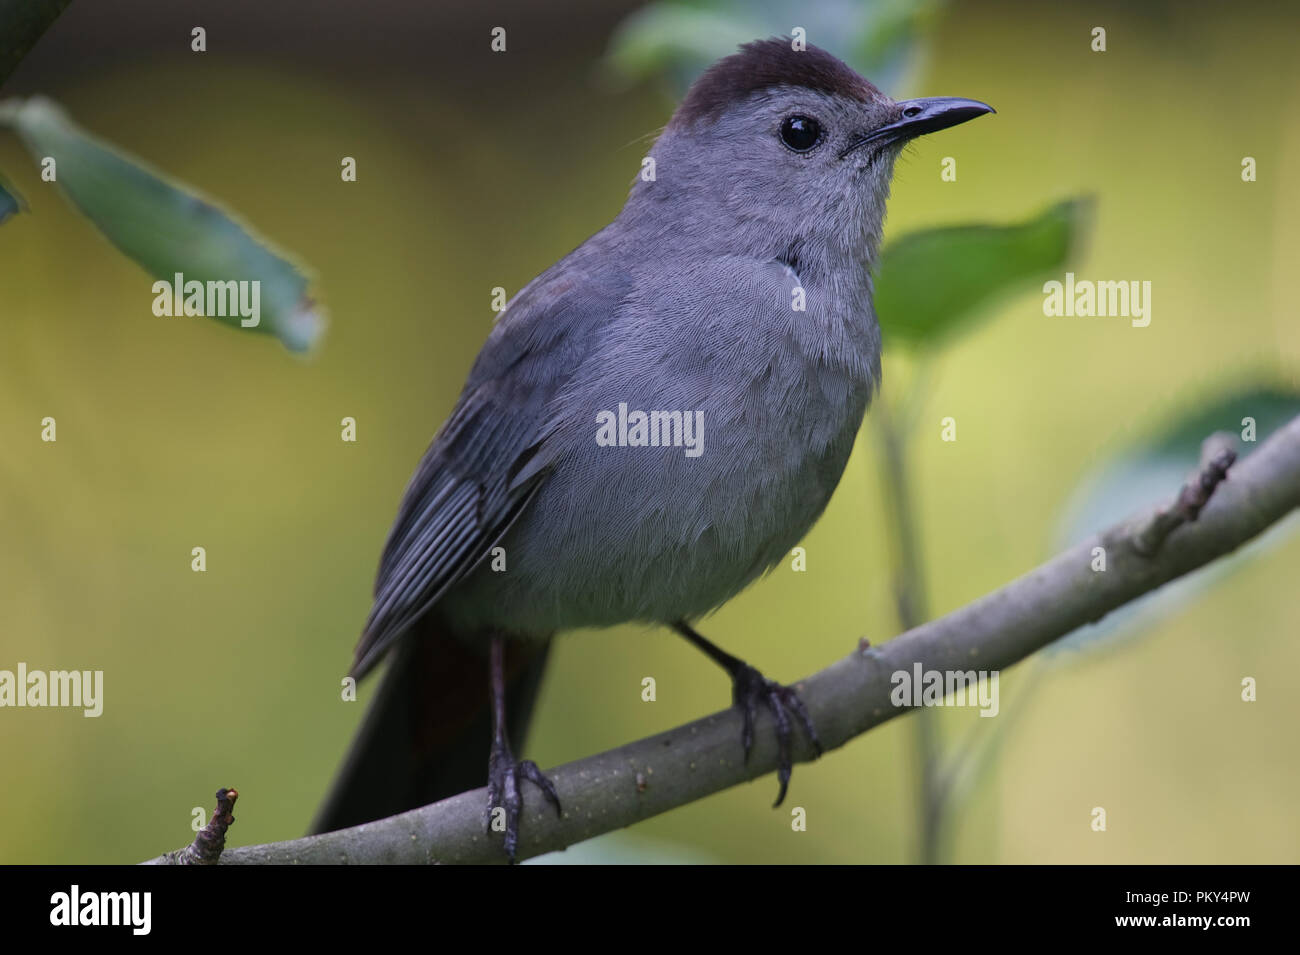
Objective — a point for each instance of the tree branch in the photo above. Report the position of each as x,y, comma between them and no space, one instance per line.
1217,455
623,786
211,839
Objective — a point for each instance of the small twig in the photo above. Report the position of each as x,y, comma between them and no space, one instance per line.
910,596
1217,455
207,845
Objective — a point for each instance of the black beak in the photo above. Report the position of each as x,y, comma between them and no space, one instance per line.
921,116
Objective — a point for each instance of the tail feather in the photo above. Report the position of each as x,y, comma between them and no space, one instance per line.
427,732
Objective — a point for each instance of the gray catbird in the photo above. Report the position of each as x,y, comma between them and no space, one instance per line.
654,422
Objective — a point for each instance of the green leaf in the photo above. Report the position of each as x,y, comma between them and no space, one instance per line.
165,227
10,201
679,39
932,284
1148,474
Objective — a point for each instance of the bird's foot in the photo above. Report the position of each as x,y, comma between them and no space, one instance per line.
505,793
749,688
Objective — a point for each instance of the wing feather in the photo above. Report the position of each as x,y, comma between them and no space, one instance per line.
465,493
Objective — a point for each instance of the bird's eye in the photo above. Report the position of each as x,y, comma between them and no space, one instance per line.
801,133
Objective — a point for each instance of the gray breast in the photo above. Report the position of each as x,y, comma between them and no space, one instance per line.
620,533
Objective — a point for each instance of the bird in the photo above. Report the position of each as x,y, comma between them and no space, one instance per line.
652,424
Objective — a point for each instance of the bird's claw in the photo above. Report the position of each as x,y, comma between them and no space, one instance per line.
749,688
505,793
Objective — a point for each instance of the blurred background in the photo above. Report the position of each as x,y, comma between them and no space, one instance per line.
477,169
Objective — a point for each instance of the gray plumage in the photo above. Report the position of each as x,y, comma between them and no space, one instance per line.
685,302
734,287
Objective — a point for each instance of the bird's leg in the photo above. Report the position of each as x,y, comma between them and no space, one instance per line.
749,688
505,773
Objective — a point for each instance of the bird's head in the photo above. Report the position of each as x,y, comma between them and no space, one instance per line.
775,144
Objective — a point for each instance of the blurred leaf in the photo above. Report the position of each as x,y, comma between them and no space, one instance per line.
931,284
10,201
166,227
679,39
1149,474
